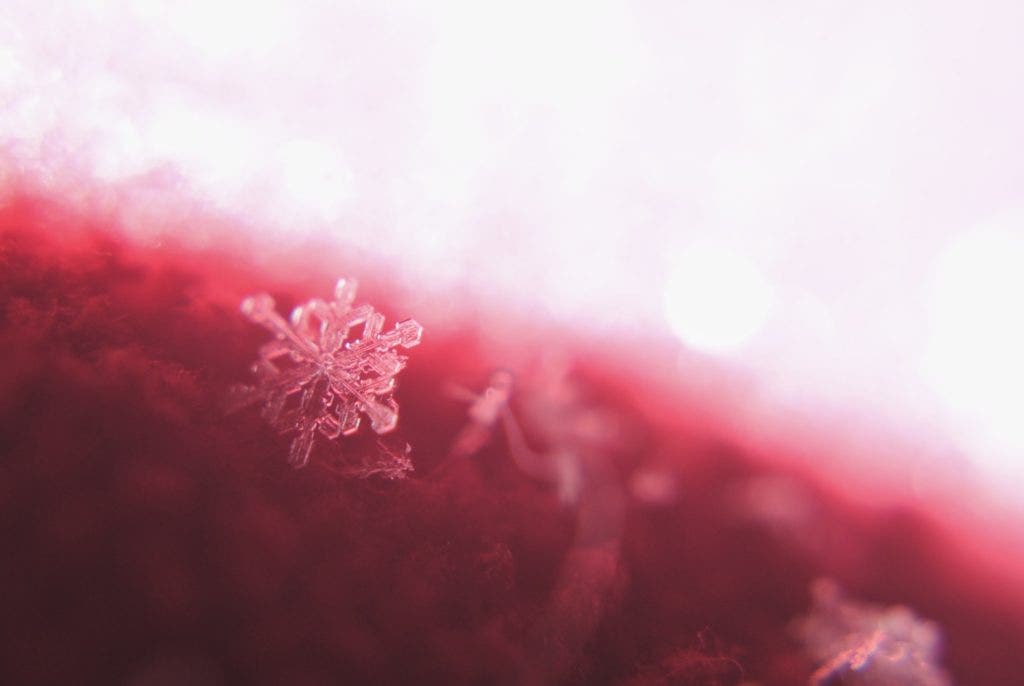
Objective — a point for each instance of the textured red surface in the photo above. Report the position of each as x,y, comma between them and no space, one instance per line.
149,539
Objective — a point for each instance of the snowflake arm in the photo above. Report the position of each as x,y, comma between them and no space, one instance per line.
311,378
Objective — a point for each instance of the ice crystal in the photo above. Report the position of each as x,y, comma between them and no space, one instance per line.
390,463
709,662
485,410
315,376
860,643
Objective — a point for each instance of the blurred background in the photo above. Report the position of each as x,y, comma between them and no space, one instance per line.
820,203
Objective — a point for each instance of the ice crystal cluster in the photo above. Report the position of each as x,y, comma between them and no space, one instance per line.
320,374
389,463
861,643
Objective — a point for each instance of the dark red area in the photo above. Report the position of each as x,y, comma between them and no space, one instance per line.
147,538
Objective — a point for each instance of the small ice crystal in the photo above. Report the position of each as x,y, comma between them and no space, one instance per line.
389,463
484,412
315,377
860,643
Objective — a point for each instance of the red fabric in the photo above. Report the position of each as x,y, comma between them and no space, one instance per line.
150,539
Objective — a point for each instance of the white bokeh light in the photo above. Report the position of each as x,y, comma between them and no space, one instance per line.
975,350
316,177
716,299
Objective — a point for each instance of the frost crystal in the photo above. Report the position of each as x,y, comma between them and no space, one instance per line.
312,378
389,463
859,643
484,412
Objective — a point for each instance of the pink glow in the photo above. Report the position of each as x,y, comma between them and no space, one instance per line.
566,157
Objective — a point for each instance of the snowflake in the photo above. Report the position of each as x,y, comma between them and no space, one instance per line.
312,378
860,643
556,415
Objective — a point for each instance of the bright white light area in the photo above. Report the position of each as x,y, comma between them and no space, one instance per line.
225,29
975,350
716,300
316,178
